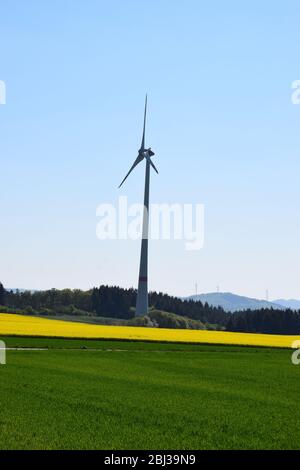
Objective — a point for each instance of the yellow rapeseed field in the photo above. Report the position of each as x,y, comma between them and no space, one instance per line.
19,325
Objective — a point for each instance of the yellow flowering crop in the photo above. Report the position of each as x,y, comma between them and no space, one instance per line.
19,325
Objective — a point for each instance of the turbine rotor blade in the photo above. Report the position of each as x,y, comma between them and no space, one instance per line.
136,162
145,113
152,164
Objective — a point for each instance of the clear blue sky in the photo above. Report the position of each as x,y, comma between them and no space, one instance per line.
221,122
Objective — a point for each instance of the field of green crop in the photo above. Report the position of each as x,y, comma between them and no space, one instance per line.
122,395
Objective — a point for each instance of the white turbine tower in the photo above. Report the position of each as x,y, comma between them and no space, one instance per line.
142,294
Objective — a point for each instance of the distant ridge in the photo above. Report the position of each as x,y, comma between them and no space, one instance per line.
293,304
232,302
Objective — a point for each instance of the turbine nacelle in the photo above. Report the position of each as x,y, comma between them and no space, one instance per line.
150,152
146,152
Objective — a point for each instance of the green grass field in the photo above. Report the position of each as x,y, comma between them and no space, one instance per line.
122,395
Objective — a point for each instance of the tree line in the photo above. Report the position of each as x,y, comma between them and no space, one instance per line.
284,322
117,302
106,301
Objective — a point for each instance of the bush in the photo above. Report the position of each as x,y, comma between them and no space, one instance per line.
142,321
170,320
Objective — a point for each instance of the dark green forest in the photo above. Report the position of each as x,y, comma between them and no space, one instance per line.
281,322
118,303
104,301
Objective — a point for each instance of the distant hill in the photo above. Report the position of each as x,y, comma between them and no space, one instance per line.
232,302
293,304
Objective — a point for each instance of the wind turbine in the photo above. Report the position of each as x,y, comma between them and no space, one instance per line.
142,294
